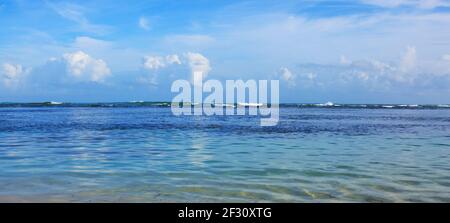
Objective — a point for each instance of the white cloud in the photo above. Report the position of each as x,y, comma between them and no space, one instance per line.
12,74
199,65
408,71
363,76
408,62
154,62
144,23
158,62
196,62
292,38
173,59
286,75
344,60
310,76
76,13
302,78
84,67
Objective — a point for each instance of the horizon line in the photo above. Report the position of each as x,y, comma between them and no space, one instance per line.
141,101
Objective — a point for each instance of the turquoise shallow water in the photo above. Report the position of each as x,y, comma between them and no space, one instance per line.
144,154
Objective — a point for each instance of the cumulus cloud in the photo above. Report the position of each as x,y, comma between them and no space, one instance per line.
199,66
310,76
144,23
286,75
344,60
84,67
408,61
158,62
405,70
56,73
198,63
405,73
153,62
408,71
372,72
362,76
173,59
12,74
195,62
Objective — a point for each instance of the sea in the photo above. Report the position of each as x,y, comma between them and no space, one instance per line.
141,152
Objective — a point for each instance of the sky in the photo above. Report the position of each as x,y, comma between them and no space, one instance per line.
360,51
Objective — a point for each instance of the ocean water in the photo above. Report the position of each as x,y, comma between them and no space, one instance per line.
121,153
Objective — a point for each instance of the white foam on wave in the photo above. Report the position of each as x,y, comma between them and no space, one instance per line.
224,105
408,106
250,104
328,104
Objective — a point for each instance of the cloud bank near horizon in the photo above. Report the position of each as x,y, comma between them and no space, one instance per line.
380,51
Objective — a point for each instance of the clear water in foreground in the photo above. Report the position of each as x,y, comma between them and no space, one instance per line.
144,154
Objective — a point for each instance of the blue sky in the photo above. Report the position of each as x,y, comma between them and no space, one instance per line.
365,51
